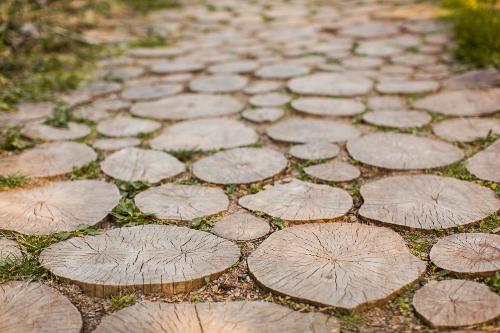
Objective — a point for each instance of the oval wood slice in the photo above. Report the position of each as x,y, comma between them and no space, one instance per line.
475,79
407,87
9,249
299,130
344,265
103,88
116,143
241,226
26,113
281,71
263,115
240,166
462,102
36,308
397,119
331,85
456,303
371,29
218,83
378,48
135,164
148,92
205,134
182,202
124,73
188,106
150,258
49,133
386,103
362,62
49,159
169,67
315,150
486,164
399,151
323,106
299,201
336,171
427,201
262,86
122,126
472,253
466,129
228,317
238,66
270,99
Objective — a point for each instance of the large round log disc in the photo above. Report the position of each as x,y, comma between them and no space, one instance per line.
486,164
397,119
59,206
49,133
150,258
49,159
315,150
148,92
344,265
323,106
227,317
473,253
331,85
241,226
205,134
299,130
115,143
300,201
399,151
462,102
456,303
218,83
240,166
466,129
336,171
427,201
182,202
263,115
134,164
36,308
281,71
126,126
9,249
188,106
406,87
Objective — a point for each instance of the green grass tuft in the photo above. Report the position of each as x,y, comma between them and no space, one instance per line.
91,170
128,214
12,140
121,300
494,282
12,181
150,39
146,6
185,155
130,189
203,223
25,268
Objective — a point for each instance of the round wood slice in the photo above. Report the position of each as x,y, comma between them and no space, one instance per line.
141,93
269,99
407,87
9,249
111,104
240,166
362,62
427,201
149,258
241,226
59,206
399,151
156,52
386,103
473,253
36,308
462,102
218,83
263,86
26,113
188,106
300,201
116,144
344,265
475,79
466,129
323,106
378,48
281,71
49,133
227,317
135,164
49,159
456,303
414,59
371,29
239,66
331,85
124,73
103,88
336,171
126,126
486,164
315,150
169,67
397,119
205,134
182,202
263,115
301,130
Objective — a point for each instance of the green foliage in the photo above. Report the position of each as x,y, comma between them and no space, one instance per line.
128,214
350,320
185,155
121,300
130,189
61,115
457,170
255,188
300,166
203,223
91,170
277,223
146,6
418,244
18,269
490,223
494,282
150,39
12,140
12,181
230,189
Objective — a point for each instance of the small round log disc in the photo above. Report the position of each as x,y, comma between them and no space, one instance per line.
406,87
263,115
150,258
397,119
169,67
59,206
218,83
427,201
473,253
9,249
315,150
270,99
371,29
322,106
462,102
26,113
241,226
239,66
240,166
227,317
135,164
49,133
300,201
116,144
486,164
466,129
141,93
182,202
399,151
336,171
262,86
281,71
103,88
378,48
49,159
331,85
299,130
456,303
344,265
126,126
205,134
36,308
188,106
